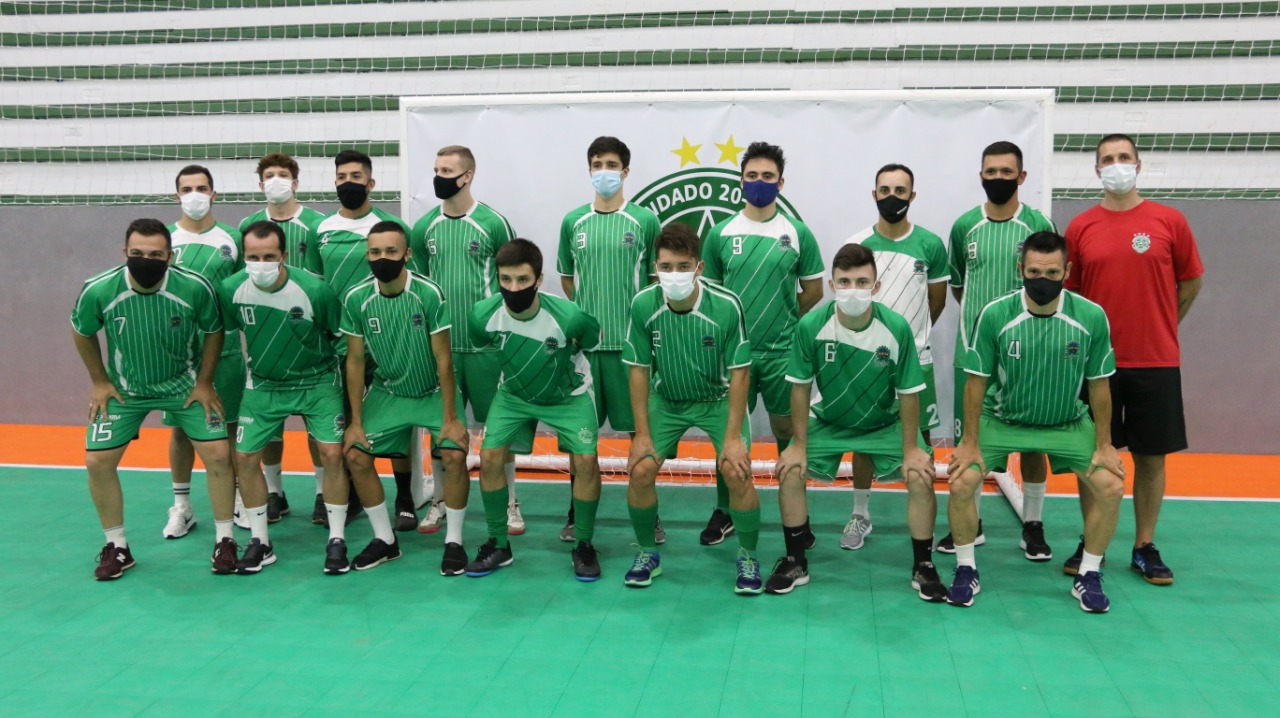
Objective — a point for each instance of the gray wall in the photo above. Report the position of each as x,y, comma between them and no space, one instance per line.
1230,384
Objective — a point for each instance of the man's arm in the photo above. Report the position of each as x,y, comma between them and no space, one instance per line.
566,283
203,392
810,294
938,300
1104,455
642,442
355,393
451,427
958,293
1187,292
734,453
91,355
795,456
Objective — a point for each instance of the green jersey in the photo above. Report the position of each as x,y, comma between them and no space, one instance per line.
457,254
397,333
541,357
153,339
1037,364
609,255
689,353
299,237
761,262
343,248
859,373
215,254
906,266
288,332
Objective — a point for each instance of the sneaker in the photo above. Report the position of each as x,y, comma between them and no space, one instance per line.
566,533
319,515
224,557
659,533
947,545
257,555
586,565
406,517
180,522
335,557
277,507
927,583
1033,544
489,558
646,566
113,562
1072,565
810,540
749,582
964,586
787,574
434,519
1147,561
719,526
855,532
376,553
1088,590
455,560
515,522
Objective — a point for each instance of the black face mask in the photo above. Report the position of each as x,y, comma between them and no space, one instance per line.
145,271
892,208
519,300
1042,290
352,195
446,187
999,191
386,270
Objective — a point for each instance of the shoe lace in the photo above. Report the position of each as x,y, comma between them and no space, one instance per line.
1092,582
585,551
965,574
255,551
1150,553
642,560
748,566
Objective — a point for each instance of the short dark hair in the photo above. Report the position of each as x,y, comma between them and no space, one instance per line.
148,227
387,225
605,144
520,251
852,256
680,238
1114,137
1003,147
1045,243
468,157
895,167
764,150
348,156
192,170
264,228
278,159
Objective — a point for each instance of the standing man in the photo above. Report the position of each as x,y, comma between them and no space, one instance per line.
912,272
605,259
1138,259
760,254
986,243
161,322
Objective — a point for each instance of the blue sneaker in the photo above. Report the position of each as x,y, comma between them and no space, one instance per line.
749,581
1088,589
964,586
1147,561
644,569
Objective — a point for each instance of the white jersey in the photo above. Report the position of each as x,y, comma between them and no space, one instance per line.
906,267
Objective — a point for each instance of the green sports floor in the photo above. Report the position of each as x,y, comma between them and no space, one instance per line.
172,639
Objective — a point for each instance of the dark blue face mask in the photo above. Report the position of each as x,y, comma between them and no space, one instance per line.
759,193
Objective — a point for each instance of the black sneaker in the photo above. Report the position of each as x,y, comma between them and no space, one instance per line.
586,565
1071,566
406,517
1033,544
277,507
490,558
948,545
1147,561
787,574
927,583
224,557
719,526
319,515
113,562
455,560
335,557
257,555
377,553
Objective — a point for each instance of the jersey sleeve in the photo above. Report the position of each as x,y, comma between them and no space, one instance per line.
811,266
939,267
328,309
739,346
419,261
237,238
637,349
652,228
475,326
564,257
712,265
909,378
586,330
226,293
981,355
86,315
209,312
311,262
437,310
800,357
1186,256
1101,361
351,324
1043,223
956,250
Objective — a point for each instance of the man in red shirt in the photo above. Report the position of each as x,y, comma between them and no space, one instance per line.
1138,259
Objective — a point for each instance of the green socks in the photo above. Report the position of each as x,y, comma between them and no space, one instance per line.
643,520
584,519
747,523
495,513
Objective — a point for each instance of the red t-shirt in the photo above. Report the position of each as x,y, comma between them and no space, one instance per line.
1130,263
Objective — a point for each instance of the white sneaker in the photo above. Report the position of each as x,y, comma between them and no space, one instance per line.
855,532
434,519
515,522
238,516
180,522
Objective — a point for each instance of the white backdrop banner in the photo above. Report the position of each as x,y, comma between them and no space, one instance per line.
686,150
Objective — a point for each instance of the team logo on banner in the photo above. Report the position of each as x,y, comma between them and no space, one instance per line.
1141,243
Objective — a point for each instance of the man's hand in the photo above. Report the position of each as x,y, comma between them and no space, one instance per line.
98,399
354,435
455,431
735,462
1107,458
641,450
793,458
918,460
208,398
965,455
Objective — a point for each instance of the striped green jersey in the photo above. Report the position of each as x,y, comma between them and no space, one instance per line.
299,237
153,339
215,254
689,353
984,260
288,332
343,246
609,255
1037,364
906,266
397,332
541,357
457,254
761,263
859,373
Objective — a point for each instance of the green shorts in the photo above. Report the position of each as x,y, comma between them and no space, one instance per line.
389,421
769,380
929,400
513,421
119,424
828,443
669,420
1070,446
263,413
476,374
228,381
611,383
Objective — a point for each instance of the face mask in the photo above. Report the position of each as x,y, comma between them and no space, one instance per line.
853,302
195,205
278,190
352,195
386,270
145,271
759,193
1042,290
677,285
520,300
606,182
999,191
892,208
263,274
1119,178
446,187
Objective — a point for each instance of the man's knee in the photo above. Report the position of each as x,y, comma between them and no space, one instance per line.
967,485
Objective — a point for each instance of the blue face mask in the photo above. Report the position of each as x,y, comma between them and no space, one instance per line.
760,193
606,182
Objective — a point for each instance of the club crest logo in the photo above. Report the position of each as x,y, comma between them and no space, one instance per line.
551,345
708,342
1141,243
339,423
785,243
215,423
225,251
1073,349
629,239
918,267
296,314
586,435
175,321
417,320
473,248
882,355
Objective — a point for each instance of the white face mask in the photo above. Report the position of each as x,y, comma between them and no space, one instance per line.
1119,178
263,274
278,190
677,285
853,302
195,204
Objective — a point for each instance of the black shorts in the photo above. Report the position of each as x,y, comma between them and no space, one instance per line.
1146,411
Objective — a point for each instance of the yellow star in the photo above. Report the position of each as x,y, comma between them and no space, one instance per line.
688,153
729,152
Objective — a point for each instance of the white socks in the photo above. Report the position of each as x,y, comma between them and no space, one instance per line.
182,496
274,483
1033,502
862,502
510,470
258,523
380,521
319,479
437,480
1089,562
115,535
222,529
964,555
453,524
338,519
